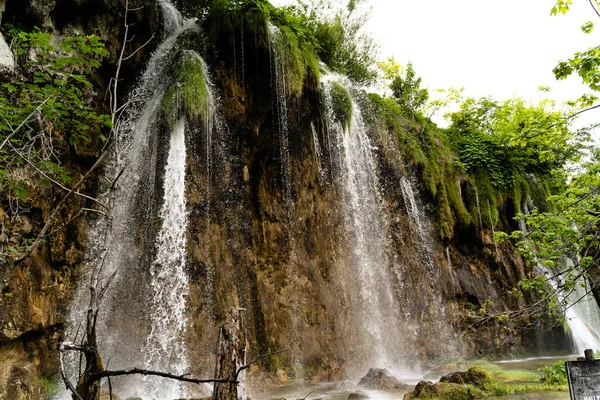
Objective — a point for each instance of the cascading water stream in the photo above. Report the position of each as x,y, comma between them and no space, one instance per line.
149,258
583,317
365,232
280,121
414,212
165,343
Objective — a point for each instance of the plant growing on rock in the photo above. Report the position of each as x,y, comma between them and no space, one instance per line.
45,106
341,104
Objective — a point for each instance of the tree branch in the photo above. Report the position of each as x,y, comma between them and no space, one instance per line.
594,7
32,164
68,383
58,207
240,369
23,123
139,48
138,371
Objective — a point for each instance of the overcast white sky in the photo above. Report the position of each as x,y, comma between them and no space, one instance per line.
501,48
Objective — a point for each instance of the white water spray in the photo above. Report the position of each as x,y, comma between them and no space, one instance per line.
365,231
165,343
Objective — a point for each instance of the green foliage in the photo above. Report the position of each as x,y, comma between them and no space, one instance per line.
293,39
227,18
429,152
405,86
585,63
334,31
45,105
50,386
341,102
554,374
188,94
561,6
510,139
408,92
569,227
291,59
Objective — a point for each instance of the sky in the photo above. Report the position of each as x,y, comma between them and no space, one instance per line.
495,48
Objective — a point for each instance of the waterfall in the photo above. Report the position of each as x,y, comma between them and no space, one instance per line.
318,151
369,261
417,219
164,345
142,320
582,313
479,210
280,94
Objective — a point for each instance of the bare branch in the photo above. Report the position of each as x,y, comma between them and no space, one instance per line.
68,383
58,207
139,48
594,7
138,371
32,164
23,122
240,369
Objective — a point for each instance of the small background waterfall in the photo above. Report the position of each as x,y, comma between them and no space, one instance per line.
582,313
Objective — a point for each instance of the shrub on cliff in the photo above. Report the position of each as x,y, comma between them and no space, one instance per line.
45,106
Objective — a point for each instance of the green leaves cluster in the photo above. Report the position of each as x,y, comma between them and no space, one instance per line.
335,31
408,92
507,140
46,105
554,374
571,228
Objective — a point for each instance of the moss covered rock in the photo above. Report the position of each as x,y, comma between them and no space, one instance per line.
188,94
341,104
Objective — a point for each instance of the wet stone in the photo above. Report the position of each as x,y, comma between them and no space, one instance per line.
358,396
380,379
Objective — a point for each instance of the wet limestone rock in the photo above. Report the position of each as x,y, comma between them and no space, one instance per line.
380,379
358,396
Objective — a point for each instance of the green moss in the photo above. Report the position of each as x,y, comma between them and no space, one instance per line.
482,381
458,206
341,104
449,391
539,191
49,385
225,19
291,57
188,93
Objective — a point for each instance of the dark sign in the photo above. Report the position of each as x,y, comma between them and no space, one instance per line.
584,379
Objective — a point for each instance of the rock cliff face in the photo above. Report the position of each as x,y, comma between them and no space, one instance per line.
268,231
35,296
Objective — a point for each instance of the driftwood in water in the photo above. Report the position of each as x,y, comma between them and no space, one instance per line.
231,357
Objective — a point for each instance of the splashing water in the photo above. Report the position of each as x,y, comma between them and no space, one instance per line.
417,219
365,230
165,344
128,336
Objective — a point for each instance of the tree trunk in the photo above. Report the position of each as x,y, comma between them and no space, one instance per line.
231,355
